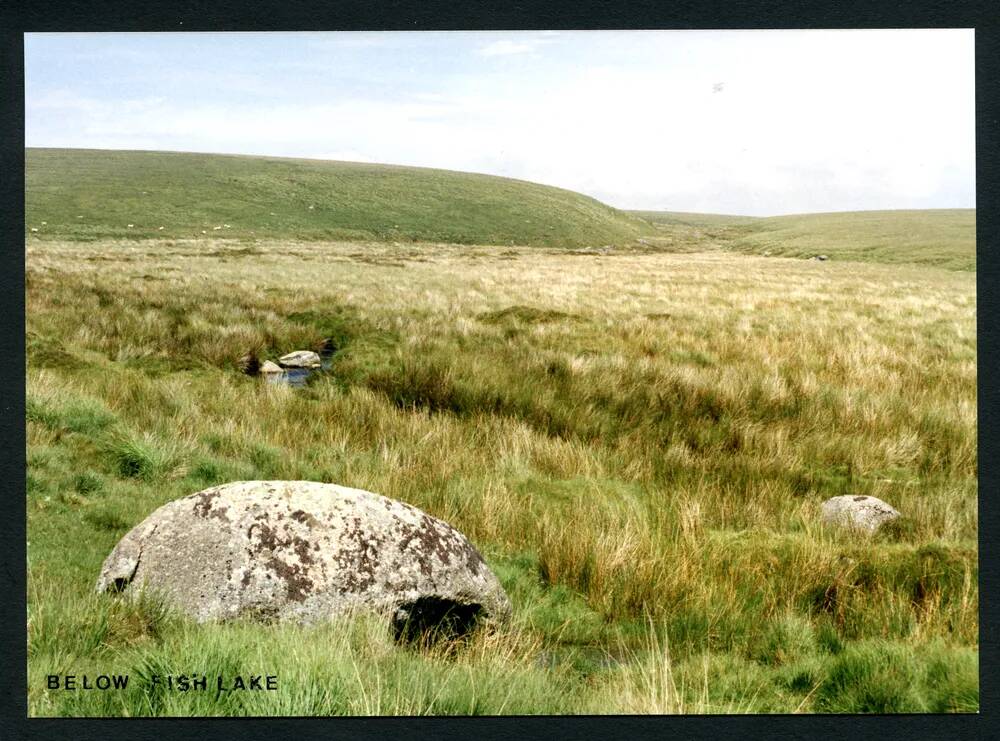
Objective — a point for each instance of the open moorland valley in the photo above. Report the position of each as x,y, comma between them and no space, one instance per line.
635,417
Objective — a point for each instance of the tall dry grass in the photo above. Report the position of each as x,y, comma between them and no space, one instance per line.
628,437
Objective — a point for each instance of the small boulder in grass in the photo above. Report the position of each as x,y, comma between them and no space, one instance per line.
858,513
300,359
270,367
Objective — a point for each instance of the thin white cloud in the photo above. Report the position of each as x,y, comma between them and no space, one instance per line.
505,47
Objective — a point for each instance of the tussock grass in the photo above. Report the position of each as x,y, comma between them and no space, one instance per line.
639,444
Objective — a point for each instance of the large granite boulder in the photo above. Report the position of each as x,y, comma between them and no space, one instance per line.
859,513
305,551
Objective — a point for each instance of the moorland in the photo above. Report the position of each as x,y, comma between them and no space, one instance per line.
634,416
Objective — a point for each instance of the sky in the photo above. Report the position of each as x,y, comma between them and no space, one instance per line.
742,122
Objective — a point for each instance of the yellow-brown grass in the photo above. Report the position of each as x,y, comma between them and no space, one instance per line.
654,431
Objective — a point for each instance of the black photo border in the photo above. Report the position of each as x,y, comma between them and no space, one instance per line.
18,18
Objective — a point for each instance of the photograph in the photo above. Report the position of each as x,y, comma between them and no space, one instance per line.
501,373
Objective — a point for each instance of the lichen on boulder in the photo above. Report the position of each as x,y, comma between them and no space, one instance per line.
305,551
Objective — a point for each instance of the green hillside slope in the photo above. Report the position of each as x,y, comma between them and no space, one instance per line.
941,237
936,237
90,194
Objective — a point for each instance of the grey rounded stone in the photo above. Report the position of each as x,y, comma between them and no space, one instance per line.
860,513
303,551
300,359
269,367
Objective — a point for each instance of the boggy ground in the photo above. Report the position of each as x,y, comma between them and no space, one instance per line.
638,443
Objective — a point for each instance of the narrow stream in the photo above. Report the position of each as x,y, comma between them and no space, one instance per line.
297,377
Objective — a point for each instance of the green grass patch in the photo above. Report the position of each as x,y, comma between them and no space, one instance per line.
144,457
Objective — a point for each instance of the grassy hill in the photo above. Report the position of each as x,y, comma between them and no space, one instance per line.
939,237
93,194
80,194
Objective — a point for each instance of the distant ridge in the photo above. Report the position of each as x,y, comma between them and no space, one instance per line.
943,238
94,194
688,218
